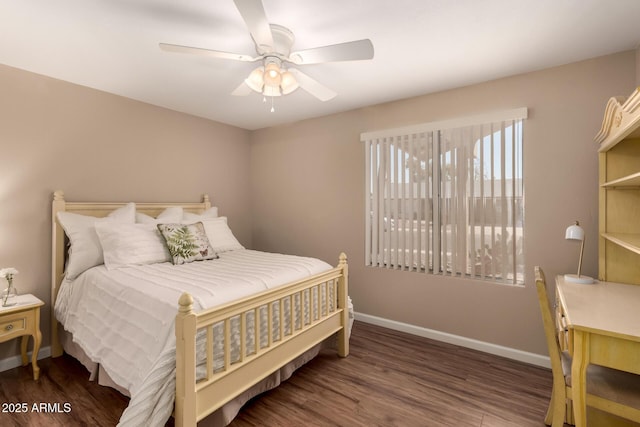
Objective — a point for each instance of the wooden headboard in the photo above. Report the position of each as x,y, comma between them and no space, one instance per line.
97,209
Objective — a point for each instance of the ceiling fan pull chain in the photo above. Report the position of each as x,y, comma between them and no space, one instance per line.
272,109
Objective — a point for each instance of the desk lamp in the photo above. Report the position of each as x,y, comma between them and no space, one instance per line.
575,232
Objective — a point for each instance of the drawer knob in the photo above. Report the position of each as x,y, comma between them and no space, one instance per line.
8,327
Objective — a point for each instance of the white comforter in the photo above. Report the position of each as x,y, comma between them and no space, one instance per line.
124,318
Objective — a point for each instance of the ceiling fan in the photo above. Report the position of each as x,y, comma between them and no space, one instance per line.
273,45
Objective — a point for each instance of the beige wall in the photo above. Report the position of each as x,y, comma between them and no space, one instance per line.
308,196
97,146
299,188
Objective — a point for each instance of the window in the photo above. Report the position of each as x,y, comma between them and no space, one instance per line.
447,198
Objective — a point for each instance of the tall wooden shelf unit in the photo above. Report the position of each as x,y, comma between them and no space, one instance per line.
619,196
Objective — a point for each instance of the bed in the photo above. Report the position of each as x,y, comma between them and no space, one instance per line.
189,339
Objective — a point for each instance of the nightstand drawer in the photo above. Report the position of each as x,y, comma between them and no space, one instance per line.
13,326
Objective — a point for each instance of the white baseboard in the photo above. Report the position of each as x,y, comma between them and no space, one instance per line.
511,353
15,361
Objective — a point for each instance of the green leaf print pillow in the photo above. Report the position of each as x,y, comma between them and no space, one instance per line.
187,242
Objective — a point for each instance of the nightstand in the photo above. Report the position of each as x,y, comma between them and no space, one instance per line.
22,320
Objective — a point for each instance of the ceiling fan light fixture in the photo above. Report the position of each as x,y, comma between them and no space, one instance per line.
255,80
289,83
272,76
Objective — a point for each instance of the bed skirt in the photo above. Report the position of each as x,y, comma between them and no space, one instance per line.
222,416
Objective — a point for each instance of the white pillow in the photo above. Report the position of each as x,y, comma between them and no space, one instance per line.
190,218
170,214
131,244
220,235
85,251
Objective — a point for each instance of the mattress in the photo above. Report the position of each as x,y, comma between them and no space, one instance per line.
123,319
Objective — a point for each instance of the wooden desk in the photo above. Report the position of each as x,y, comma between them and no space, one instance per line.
603,320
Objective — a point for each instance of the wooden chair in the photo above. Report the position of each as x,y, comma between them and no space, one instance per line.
608,390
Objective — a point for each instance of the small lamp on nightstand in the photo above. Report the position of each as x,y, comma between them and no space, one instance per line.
575,232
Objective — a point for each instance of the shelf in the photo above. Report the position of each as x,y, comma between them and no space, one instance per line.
619,190
626,181
627,241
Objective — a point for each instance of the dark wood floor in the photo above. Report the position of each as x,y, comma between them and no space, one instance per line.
389,379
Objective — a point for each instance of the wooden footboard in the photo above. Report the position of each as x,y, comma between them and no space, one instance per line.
318,319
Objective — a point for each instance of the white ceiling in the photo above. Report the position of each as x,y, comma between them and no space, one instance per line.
421,46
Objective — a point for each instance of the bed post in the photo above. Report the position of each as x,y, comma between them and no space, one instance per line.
343,303
185,406
57,267
206,202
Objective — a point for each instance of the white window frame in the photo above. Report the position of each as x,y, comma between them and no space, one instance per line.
431,208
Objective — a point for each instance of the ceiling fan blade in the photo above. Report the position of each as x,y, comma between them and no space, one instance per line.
350,51
167,47
242,90
312,86
254,16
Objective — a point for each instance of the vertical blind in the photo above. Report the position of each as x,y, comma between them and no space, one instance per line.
447,197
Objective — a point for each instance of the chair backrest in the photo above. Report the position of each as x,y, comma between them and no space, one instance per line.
549,325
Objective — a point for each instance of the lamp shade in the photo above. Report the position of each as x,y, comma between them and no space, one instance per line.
272,75
289,83
574,232
255,81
